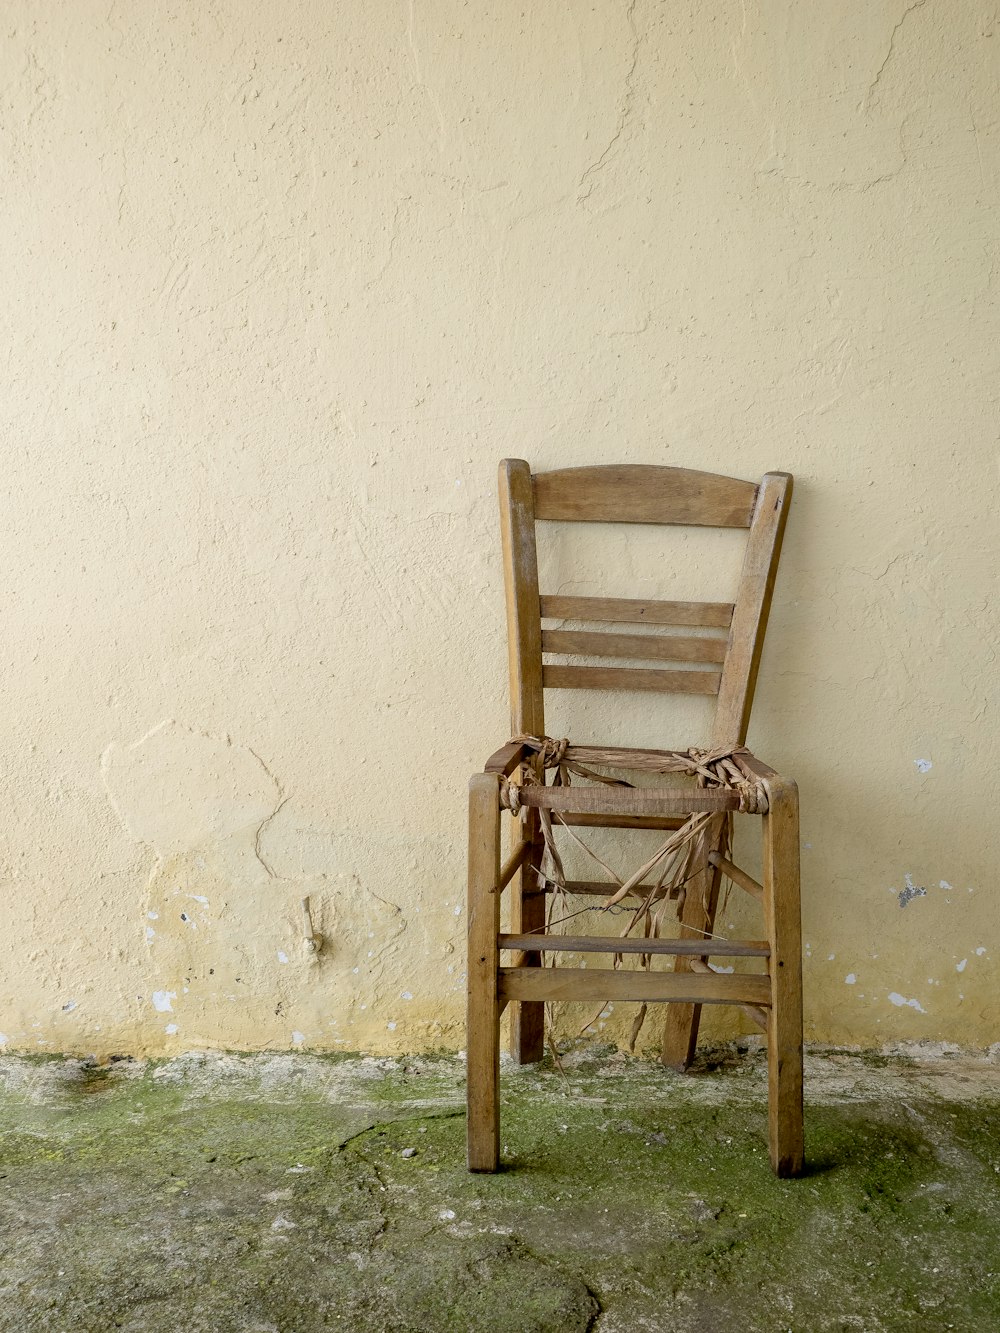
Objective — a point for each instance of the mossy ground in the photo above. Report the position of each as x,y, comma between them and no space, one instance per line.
272,1193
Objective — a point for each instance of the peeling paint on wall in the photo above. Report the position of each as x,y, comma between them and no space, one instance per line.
910,891
900,1001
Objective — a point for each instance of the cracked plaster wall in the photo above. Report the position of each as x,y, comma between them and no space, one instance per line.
282,284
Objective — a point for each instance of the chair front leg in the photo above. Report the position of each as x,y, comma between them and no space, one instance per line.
784,930
483,1012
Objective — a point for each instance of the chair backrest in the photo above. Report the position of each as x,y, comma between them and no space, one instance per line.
721,659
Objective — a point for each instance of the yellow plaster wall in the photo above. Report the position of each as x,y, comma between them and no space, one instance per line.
282,282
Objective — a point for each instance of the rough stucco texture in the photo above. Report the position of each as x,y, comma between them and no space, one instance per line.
282,284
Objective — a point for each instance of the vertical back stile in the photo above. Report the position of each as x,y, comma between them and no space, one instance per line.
520,568
753,603
524,649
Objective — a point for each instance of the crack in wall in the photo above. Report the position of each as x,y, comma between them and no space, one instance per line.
873,86
624,114
418,74
271,872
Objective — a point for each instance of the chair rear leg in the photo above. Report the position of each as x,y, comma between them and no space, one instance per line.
483,1021
527,1022
680,1031
784,1029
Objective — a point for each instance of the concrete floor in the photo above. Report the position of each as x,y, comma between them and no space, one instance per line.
277,1193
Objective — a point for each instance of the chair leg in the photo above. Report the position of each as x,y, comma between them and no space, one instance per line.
680,1030
483,1021
784,1029
527,1021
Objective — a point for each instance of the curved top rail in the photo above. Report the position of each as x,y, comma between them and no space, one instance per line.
639,493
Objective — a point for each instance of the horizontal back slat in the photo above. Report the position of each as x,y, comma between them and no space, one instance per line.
639,493
637,610
630,678
660,647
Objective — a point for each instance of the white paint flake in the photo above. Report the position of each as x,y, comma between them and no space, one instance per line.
960,967
161,1001
900,1001
391,1027
850,979
150,933
153,916
922,765
297,1038
980,951
282,956
171,1029
405,995
944,885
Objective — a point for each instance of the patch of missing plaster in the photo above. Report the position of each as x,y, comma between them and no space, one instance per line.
180,790
922,765
910,891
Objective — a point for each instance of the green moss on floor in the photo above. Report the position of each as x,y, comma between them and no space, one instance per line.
297,1193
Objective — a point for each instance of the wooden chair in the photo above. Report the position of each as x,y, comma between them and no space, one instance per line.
720,658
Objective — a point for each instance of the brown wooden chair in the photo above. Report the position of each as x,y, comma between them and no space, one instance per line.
715,652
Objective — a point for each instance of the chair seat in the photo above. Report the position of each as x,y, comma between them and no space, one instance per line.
728,779
630,800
